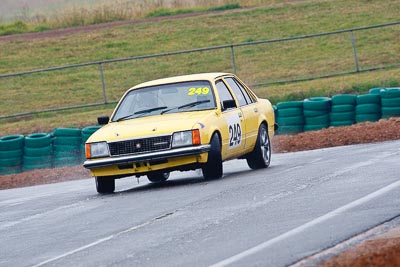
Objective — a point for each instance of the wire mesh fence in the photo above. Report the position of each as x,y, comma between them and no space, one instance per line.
258,63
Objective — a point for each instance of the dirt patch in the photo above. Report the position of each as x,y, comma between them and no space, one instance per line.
381,251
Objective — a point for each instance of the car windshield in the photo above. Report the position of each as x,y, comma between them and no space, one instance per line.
167,98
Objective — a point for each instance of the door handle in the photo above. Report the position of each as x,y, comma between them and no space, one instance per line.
256,110
240,115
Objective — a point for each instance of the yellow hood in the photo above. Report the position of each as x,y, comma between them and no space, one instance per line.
150,126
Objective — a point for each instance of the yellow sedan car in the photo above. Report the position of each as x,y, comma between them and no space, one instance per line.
179,124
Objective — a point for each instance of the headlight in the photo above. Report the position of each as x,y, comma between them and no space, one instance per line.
96,150
186,138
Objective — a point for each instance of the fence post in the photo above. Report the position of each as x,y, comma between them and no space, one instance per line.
103,83
353,43
233,59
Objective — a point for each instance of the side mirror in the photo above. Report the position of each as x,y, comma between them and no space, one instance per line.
226,104
103,120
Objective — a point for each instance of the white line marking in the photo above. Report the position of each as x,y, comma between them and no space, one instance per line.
304,227
102,240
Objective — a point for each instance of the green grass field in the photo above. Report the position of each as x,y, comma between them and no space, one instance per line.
255,64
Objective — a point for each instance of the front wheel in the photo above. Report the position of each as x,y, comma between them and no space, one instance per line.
105,185
158,177
213,168
260,157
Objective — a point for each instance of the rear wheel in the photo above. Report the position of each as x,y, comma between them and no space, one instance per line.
260,157
213,168
158,177
105,185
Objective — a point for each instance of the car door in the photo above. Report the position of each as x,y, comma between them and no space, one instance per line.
232,123
249,110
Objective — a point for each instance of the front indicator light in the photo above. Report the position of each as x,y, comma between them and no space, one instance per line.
196,140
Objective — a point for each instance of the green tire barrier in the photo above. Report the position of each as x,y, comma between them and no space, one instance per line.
11,148
67,147
342,116
367,117
290,104
344,99
342,108
317,120
11,142
391,102
11,154
375,90
368,109
287,121
317,103
290,112
390,93
388,112
38,140
291,129
316,112
369,99
67,132
290,117
38,151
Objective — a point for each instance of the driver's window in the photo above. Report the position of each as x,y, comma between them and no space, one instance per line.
223,92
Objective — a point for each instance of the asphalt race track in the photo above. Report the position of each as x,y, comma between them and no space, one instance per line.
304,203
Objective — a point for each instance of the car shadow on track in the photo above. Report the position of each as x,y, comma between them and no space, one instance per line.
181,181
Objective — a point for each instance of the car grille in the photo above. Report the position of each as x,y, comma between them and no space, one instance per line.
140,145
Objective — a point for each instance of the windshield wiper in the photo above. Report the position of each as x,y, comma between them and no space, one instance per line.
144,111
189,105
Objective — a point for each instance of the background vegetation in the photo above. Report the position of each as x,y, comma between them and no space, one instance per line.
255,20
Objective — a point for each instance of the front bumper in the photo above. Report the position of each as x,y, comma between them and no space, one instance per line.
159,155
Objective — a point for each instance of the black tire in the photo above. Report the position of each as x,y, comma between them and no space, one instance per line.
105,185
213,168
158,177
260,157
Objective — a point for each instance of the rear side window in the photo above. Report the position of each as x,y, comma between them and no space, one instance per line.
241,93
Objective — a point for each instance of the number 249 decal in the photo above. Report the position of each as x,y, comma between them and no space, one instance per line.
235,134
199,91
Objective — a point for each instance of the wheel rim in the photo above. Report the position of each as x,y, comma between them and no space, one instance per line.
265,146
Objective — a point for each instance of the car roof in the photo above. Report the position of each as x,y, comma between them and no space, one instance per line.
183,78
